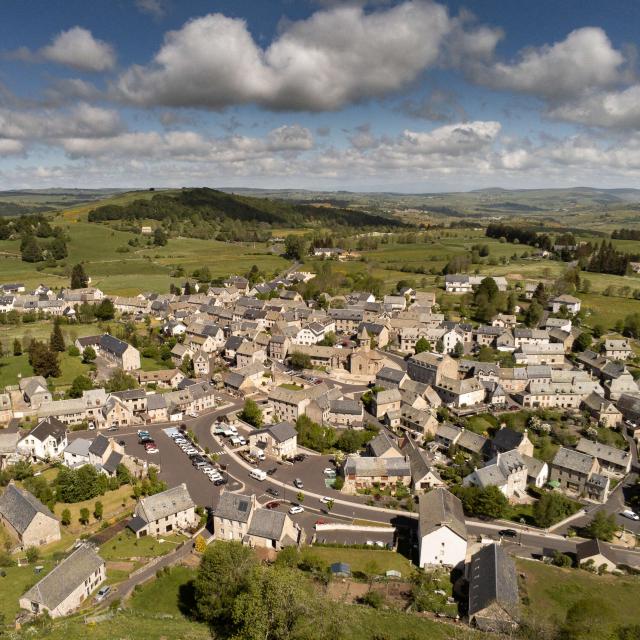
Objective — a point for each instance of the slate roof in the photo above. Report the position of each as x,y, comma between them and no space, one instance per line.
79,447
66,577
593,547
49,427
346,406
267,523
506,439
493,579
113,345
381,444
391,375
375,467
163,504
234,506
19,508
99,446
574,460
112,462
609,454
440,508
280,432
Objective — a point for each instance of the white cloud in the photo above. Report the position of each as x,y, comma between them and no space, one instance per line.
78,48
616,109
83,120
155,8
333,58
584,60
10,147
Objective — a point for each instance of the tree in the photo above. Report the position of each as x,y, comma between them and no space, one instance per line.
80,383
582,342
295,247
602,526
120,381
488,501
274,606
422,345
17,347
251,413
89,354
79,278
160,238
43,360
551,508
56,340
300,497
33,555
300,360
84,516
533,314
329,505
30,250
58,249
225,571
65,517
458,350
105,310
440,345
98,510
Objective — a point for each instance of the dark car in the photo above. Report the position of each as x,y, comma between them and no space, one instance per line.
300,457
271,505
219,481
122,443
508,533
271,471
273,492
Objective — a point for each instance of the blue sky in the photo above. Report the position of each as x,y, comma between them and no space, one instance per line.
404,95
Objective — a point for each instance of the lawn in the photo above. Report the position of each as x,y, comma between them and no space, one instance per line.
16,581
112,503
11,367
125,545
165,594
362,559
552,591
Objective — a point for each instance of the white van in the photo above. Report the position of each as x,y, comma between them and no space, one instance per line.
258,474
258,454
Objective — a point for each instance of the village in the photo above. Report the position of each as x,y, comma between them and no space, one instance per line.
361,421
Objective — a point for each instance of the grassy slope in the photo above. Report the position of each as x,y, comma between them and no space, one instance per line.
552,591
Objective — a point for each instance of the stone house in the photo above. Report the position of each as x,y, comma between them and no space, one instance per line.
67,585
277,440
162,513
579,474
27,519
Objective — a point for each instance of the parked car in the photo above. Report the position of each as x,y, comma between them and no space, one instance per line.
271,471
112,428
271,505
219,481
325,500
103,592
328,471
508,533
299,457
272,492
296,509
298,484
632,515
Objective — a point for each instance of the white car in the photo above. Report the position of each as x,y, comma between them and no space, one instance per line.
325,500
295,509
632,515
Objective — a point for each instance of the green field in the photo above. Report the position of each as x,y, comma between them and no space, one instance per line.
361,560
552,591
126,546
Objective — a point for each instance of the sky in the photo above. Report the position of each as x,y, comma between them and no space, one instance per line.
379,95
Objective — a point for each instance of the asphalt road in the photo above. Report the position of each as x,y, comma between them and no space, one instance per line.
176,468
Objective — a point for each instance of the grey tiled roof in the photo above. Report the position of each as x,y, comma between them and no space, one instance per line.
574,460
375,467
64,579
99,446
49,427
165,504
440,508
280,432
19,508
113,345
492,579
381,444
234,506
267,524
